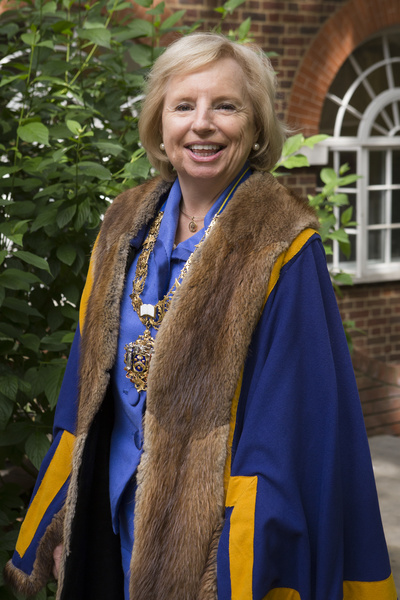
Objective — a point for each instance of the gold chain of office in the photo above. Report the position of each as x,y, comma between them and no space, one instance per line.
138,354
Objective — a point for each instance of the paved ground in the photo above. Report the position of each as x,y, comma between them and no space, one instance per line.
385,450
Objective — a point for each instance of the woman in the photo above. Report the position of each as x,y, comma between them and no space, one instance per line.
219,447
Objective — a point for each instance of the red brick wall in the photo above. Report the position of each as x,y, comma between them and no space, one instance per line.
379,388
375,308
354,22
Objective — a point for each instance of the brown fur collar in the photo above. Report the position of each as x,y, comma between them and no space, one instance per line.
200,350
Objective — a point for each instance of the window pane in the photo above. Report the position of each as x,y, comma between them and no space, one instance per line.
376,246
376,207
350,125
396,206
396,166
395,245
376,167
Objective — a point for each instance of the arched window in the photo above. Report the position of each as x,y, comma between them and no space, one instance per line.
362,114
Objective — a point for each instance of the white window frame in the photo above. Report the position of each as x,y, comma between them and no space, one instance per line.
387,140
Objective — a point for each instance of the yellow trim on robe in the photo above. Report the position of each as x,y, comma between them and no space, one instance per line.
282,259
86,291
282,594
56,475
285,257
234,407
241,491
241,495
370,590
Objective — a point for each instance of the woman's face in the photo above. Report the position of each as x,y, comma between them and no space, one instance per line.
208,124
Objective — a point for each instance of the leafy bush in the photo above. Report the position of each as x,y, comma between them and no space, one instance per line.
71,78
327,202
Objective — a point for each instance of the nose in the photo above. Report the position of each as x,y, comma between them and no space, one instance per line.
203,120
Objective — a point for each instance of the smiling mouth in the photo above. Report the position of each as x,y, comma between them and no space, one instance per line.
205,149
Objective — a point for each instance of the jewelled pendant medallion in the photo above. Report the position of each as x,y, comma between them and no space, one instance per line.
137,360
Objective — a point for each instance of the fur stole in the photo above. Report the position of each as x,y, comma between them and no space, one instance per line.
200,350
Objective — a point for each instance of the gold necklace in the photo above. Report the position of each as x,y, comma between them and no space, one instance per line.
192,225
138,354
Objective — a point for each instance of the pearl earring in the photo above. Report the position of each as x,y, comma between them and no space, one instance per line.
256,147
162,147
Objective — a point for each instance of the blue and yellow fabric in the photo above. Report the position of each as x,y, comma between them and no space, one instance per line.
286,537
51,486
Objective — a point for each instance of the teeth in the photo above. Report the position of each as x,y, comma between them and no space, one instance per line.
204,147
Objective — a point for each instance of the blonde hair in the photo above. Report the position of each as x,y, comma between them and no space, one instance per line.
194,52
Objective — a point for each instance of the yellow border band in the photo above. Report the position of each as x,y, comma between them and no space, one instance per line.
242,492
87,290
56,475
370,590
285,257
282,594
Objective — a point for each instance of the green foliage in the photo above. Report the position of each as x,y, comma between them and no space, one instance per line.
71,77
326,201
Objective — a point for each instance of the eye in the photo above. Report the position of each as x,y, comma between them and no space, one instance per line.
226,106
184,107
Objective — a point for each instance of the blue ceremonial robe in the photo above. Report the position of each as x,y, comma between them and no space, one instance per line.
302,519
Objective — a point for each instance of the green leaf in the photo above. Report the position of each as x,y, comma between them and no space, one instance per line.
68,338
315,139
172,20
52,386
232,5
99,36
339,235
95,170
33,259
36,447
140,28
339,199
6,409
346,216
157,10
31,38
9,386
23,306
294,162
141,54
8,540
30,341
46,44
14,434
46,217
345,181
34,132
328,175
244,28
74,126
293,144
66,253
145,3
343,278
15,279
65,216
49,8
7,80
112,148
122,6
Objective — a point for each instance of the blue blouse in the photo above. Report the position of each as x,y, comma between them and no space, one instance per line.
165,265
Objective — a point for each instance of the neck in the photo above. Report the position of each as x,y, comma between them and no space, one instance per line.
198,197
